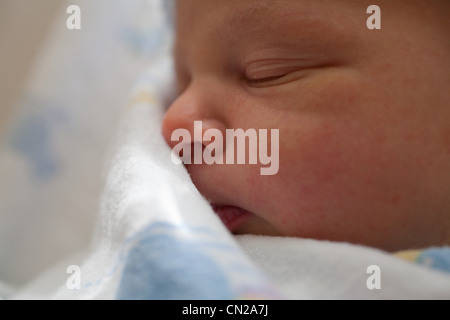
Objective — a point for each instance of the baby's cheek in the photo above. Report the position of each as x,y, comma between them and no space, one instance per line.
325,175
318,154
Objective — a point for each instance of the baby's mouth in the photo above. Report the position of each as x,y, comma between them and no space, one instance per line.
232,217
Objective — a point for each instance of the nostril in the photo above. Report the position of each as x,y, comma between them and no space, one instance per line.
197,146
188,153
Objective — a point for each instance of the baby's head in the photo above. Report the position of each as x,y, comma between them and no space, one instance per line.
363,115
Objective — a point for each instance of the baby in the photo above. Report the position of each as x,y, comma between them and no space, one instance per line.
363,115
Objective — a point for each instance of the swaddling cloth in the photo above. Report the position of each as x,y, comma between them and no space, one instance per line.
157,237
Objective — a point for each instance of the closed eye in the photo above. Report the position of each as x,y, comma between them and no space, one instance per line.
271,71
263,80
275,80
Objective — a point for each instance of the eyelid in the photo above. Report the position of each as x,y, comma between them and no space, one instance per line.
272,68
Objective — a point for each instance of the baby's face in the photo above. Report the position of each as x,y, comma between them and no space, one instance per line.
363,116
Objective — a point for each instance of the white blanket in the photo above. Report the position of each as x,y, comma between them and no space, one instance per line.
52,150
310,269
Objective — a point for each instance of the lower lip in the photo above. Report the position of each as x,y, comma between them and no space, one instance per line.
232,217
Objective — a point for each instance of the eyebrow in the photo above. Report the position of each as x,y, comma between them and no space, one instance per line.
245,18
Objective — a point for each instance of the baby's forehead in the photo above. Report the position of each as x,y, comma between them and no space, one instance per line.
236,21
224,16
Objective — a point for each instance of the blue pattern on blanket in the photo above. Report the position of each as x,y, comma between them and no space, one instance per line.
436,258
143,41
34,136
162,265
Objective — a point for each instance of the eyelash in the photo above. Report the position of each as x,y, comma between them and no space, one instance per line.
263,80
266,72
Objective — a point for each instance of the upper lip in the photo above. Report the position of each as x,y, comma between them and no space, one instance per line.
217,206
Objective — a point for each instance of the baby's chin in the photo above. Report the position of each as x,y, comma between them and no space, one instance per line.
228,194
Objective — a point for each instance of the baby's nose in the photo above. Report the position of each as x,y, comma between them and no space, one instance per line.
187,112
